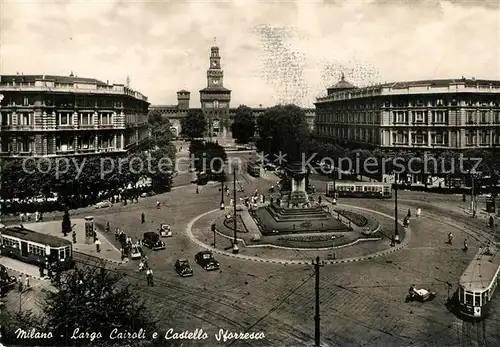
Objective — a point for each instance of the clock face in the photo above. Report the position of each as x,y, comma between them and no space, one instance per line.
214,63
216,81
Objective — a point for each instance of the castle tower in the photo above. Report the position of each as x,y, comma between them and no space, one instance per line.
215,98
183,97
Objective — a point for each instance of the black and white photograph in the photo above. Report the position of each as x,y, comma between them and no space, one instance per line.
249,173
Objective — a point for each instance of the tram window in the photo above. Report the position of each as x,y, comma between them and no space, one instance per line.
469,298
461,294
484,298
477,299
61,254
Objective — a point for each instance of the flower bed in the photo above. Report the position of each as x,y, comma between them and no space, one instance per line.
240,226
312,241
354,217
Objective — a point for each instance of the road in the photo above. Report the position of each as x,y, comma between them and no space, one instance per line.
362,304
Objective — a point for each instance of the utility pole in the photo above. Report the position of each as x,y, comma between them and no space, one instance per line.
222,192
235,241
317,338
395,208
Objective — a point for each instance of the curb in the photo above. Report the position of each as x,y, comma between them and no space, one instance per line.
406,241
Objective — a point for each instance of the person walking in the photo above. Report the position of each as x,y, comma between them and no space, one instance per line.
98,246
143,218
157,204
450,238
466,246
409,214
419,211
149,277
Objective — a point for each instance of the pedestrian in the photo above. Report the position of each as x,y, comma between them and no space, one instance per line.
492,222
42,270
157,204
197,190
419,211
409,213
396,237
26,282
108,229
149,277
450,238
143,218
98,246
466,247
393,241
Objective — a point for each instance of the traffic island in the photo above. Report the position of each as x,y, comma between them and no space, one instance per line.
362,243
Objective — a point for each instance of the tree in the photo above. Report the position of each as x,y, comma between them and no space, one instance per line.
162,165
66,223
160,126
283,129
94,299
209,157
243,127
194,125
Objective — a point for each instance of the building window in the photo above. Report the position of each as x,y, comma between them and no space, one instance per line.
418,138
484,117
25,145
470,117
419,117
399,138
454,102
105,118
6,118
439,117
438,139
485,138
470,138
24,119
86,119
26,101
400,116
496,117
64,119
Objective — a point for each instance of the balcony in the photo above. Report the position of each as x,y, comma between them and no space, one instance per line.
86,126
105,126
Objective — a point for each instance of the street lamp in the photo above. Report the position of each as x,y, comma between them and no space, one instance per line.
235,240
222,191
396,232
1,203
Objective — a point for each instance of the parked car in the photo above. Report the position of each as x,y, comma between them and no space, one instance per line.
152,241
135,253
103,204
183,268
6,281
206,260
164,230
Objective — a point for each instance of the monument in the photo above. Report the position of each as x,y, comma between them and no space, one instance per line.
294,211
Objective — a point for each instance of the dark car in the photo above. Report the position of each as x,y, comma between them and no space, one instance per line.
183,268
152,240
206,260
6,281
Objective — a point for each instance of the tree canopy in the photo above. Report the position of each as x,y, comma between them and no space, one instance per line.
283,129
243,127
194,125
91,299
209,158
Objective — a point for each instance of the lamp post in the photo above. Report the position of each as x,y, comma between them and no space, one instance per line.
396,232
222,192
235,240
1,179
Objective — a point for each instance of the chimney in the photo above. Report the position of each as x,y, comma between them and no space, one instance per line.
107,82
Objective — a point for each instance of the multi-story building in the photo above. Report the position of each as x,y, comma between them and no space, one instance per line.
427,115
215,102
43,115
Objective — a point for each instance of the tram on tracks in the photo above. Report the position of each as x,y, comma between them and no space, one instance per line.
35,248
253,169
478,283
359,190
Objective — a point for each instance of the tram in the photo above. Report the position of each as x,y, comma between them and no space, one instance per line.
478,283
35,248
359,190
253,169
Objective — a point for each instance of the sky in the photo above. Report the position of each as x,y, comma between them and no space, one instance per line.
273,52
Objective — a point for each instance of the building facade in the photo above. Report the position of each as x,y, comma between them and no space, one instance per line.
43,115
427,115
215,102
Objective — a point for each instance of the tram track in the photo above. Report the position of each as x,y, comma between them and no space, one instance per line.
473,334
211,308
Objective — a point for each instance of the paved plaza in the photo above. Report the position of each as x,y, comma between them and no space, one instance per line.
362,302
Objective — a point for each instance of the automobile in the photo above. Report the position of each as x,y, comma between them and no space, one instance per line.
183,268
165,230
206,260
103,204
421,295
135,253
6,281
152,241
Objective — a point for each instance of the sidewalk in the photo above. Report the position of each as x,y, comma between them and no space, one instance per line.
19,267
108,251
